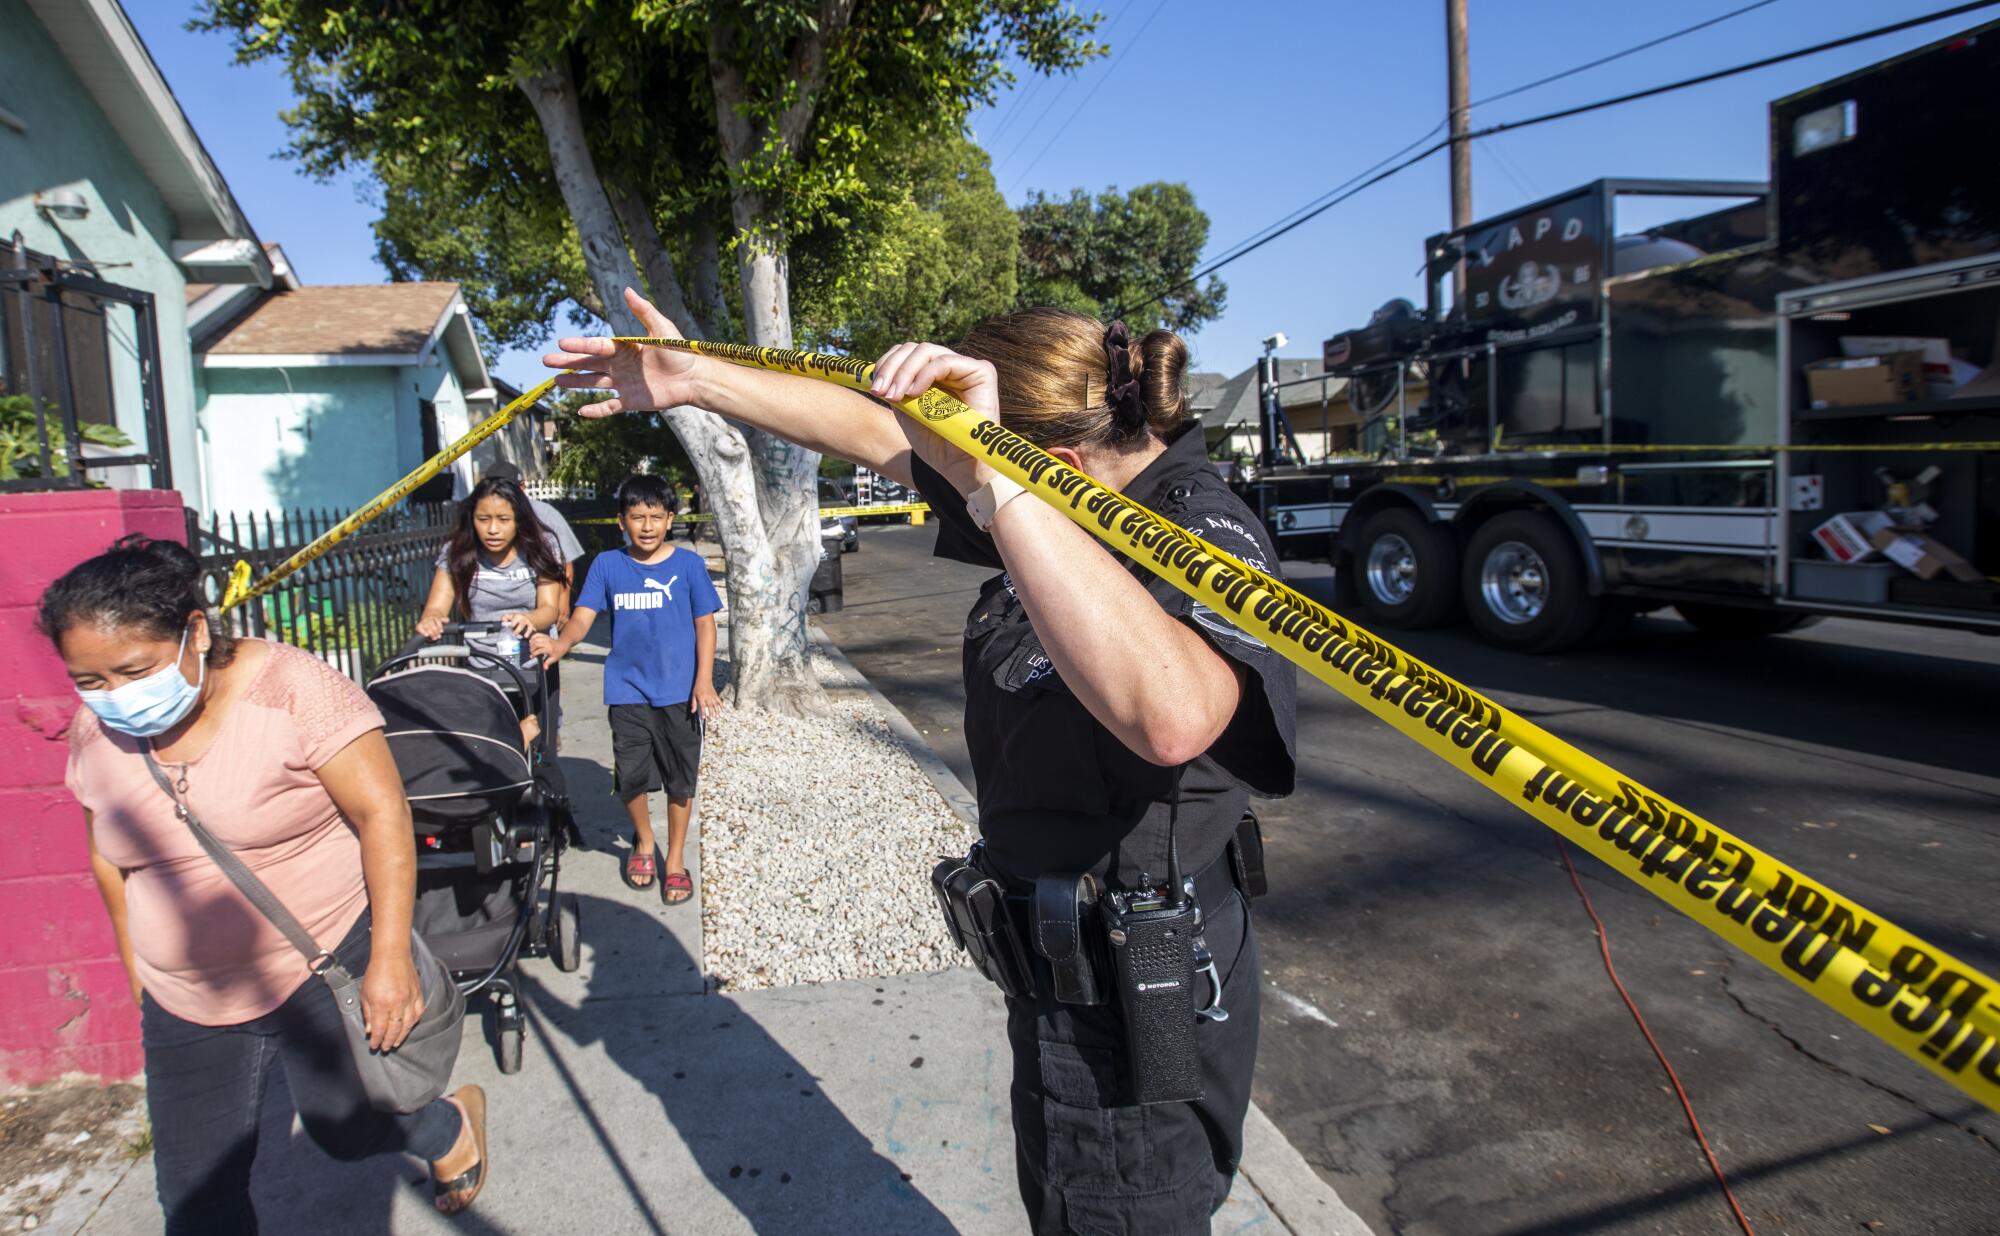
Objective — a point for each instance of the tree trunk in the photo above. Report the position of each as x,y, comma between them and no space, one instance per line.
661,279
787,490
787,475
767,651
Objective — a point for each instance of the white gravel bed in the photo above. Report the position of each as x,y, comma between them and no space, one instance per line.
817,841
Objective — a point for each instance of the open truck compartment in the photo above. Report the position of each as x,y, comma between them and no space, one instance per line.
1636,394
1902,371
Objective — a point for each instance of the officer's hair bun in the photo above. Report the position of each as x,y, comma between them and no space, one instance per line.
1066,378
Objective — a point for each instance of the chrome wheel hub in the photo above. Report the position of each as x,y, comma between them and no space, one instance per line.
1391,569
1514,582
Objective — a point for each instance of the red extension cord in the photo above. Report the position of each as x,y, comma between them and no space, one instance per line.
1604,946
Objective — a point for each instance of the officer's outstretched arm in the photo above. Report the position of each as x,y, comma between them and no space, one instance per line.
817,415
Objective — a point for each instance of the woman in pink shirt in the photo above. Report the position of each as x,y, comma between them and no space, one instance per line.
284,761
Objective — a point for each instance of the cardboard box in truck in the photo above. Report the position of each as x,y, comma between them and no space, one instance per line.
1922,555
1858,381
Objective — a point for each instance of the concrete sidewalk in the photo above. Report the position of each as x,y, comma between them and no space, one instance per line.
649,1104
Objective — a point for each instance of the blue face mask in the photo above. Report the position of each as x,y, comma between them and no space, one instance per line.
152,705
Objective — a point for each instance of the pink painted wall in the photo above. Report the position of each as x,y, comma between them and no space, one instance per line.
65,1006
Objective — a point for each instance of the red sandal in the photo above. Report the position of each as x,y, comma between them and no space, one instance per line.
676,882
637,865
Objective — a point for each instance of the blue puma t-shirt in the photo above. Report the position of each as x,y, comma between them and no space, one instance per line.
652,610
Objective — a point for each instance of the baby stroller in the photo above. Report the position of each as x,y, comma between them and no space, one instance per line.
491,814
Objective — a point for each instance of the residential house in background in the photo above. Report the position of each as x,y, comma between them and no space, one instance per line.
250,390
1322,414
109,207
322,396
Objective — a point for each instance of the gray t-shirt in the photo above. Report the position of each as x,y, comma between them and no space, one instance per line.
568,548
496,590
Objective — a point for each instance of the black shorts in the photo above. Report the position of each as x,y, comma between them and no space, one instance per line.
655,749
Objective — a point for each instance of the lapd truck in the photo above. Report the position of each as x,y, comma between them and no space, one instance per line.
1783,405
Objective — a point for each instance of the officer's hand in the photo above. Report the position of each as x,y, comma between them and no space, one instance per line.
912,368
644,377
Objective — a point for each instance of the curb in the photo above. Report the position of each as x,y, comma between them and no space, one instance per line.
1301,1201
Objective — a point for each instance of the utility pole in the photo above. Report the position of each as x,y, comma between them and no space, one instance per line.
1460,113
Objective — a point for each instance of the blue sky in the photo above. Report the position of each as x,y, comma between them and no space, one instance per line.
1259,107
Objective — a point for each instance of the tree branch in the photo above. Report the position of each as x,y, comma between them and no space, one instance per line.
661,279
809,71
553,95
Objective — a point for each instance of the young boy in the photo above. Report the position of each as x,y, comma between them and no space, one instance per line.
658,680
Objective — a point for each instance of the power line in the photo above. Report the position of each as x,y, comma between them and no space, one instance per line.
1085,102
1440,126
1547,117
1023,137
1633,50
1042,79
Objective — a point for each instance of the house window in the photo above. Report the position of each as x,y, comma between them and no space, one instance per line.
438,488
28,345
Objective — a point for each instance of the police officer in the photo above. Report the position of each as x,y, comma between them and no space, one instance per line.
1107,714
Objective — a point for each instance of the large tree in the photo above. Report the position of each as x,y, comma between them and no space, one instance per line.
1117,251
672,135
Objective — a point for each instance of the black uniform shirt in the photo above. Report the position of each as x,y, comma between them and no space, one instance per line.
1057,791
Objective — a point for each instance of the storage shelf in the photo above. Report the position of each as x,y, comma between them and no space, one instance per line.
1918,407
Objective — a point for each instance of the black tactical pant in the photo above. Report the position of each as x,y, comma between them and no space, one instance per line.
1092,1163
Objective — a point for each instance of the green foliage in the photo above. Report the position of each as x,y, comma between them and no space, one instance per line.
423,92
929,250
514,254
21,439
603,451
1112,251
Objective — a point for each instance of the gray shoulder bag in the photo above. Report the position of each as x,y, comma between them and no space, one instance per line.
402,1080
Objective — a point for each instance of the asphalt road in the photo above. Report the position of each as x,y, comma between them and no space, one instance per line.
1440,1039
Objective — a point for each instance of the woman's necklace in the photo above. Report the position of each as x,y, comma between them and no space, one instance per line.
180,794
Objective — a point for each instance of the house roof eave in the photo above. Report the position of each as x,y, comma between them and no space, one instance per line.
107,54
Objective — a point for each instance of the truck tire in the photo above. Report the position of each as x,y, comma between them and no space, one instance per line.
1524,585
1740,622
1405,570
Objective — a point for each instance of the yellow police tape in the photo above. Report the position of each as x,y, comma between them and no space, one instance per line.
1933,1008
240,588
825,512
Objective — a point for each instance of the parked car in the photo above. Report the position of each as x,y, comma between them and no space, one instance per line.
846,527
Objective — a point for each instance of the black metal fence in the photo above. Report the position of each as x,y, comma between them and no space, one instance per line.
355,605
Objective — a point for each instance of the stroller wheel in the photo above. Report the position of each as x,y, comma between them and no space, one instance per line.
512,1039
565,934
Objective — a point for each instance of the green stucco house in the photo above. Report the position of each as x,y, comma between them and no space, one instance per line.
132,285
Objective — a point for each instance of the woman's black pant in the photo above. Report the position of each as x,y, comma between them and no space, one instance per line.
205,1090
1088,1161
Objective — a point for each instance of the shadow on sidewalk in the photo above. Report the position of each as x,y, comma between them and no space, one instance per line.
770,1144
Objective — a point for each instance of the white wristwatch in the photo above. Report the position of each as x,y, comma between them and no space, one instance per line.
985,502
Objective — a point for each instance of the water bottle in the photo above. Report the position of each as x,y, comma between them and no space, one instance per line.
507,645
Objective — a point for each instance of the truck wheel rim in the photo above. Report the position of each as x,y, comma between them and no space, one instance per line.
1514,582
1392,569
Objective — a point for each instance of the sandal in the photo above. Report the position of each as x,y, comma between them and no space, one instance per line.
455,1195
676,882
636,865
